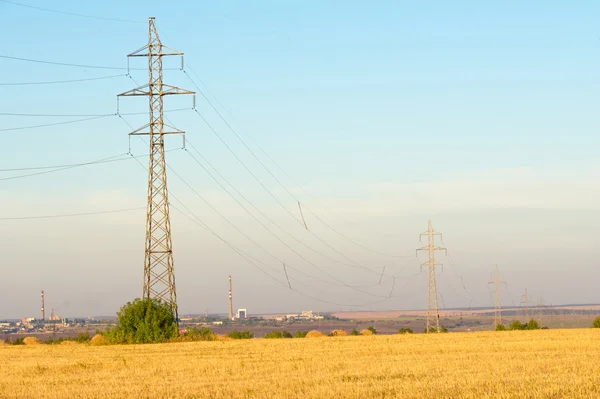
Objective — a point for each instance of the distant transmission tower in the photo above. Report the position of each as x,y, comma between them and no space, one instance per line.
432,299
159,271
497,281
525,301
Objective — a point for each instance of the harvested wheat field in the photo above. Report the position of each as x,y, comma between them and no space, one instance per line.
511,364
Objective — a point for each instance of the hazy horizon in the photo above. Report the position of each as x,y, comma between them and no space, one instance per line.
478,117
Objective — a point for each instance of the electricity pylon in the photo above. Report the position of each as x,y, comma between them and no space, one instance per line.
525,301
540,308
159,271
497,281
432,300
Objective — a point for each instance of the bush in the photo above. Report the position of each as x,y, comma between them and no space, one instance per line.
143,321
405,331
315,334
98,340
372,329
17,341
500,327
596,323
366,331
240,334
516,325
300,334
354,332
30,341
278,334
83,337
338,333
443,329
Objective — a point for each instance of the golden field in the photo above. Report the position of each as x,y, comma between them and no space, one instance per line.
511,364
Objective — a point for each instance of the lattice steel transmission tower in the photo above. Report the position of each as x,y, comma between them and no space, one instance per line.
497,281
525,301
432,298
159,271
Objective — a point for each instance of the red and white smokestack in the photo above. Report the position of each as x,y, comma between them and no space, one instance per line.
42,307
230,301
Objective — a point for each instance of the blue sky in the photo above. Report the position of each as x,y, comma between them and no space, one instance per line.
480,116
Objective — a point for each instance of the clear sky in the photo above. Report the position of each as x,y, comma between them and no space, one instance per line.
481,116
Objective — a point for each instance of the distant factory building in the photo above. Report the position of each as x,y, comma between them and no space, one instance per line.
242,314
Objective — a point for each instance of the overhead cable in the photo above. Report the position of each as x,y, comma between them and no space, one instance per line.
59,81
72,13
65,215
86,115
56,123
273,161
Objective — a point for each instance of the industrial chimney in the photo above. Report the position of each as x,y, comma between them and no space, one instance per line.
42,308
230,301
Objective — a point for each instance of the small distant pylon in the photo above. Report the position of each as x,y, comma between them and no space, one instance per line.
497,281
540,308
525,302
432,300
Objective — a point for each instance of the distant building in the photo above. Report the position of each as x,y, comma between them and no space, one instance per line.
242,314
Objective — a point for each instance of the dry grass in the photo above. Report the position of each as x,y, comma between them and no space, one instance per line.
69,343
339,333
366,332
98,340
315,334
30,341
513,364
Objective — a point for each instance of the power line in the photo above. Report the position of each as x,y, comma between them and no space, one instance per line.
86,115
272,174
271,193
58,168
64,215
342,283
56,123
60,81
68,64
61,168
257,209
71,13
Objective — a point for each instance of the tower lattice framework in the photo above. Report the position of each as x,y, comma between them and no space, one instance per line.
432,297
159,269
497,281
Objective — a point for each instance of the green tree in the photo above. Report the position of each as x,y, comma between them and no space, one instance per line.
144,321
405,331
532,325
300,334
596,323
500,327
372,329
354,332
